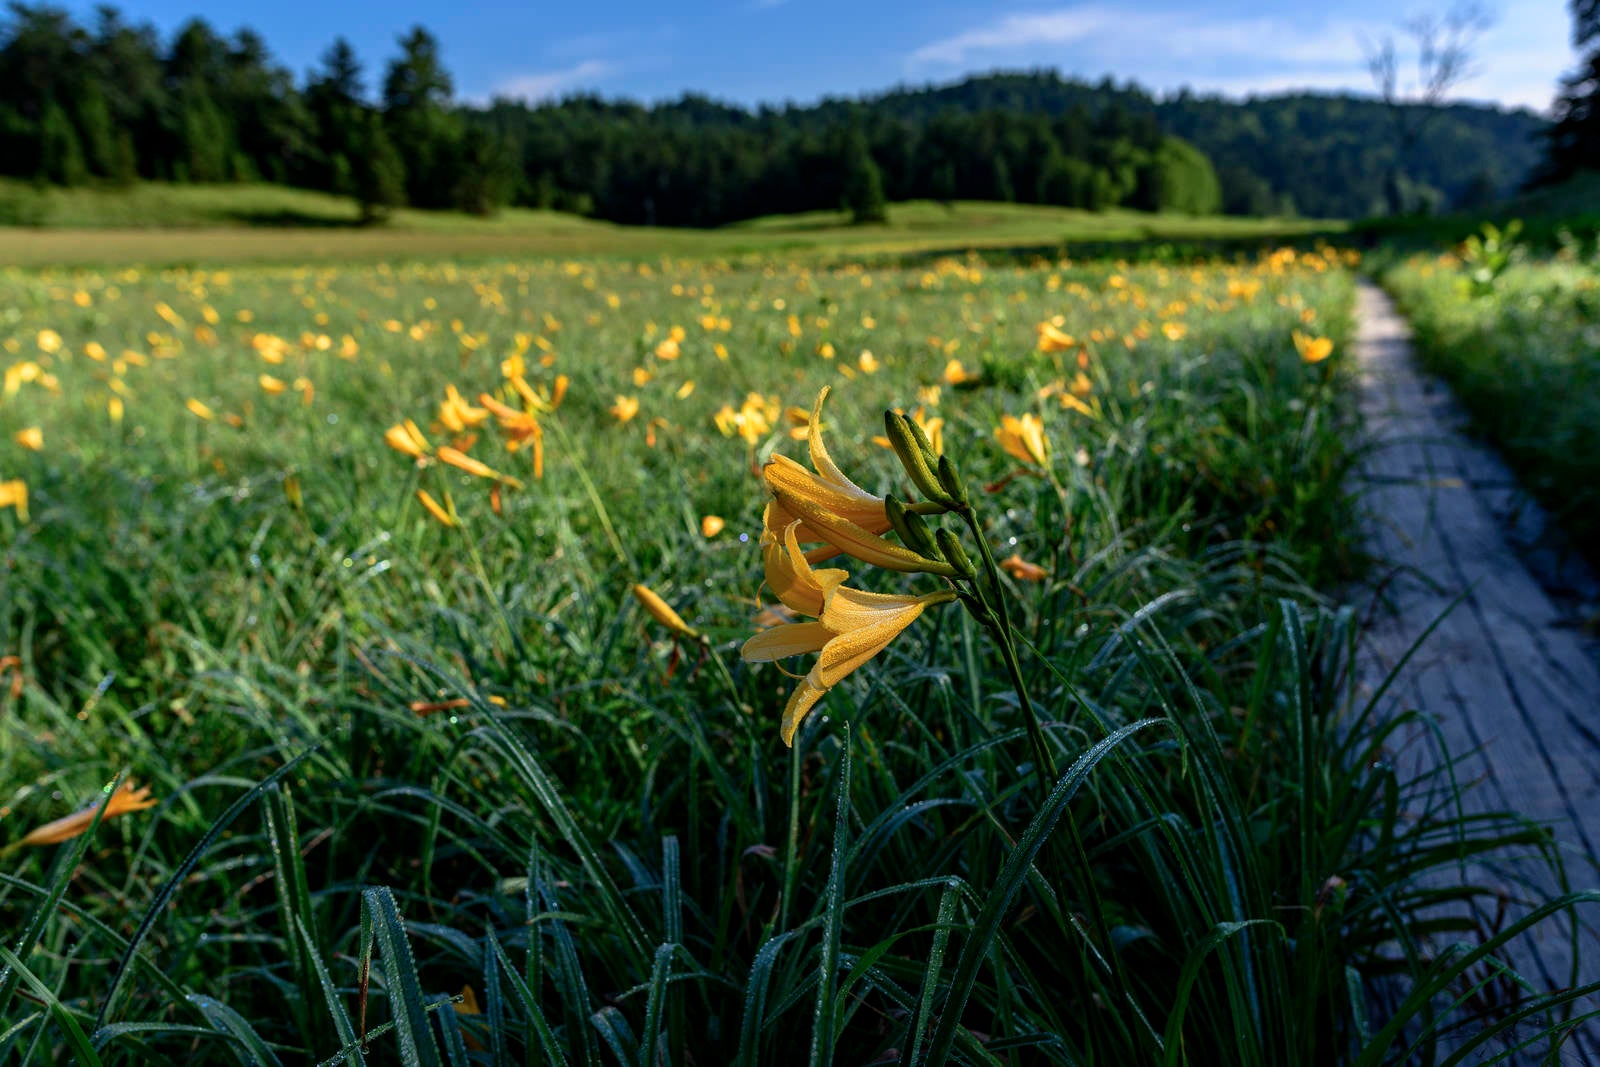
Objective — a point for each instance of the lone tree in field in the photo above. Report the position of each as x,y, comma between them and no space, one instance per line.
863,182
1444,58
377,171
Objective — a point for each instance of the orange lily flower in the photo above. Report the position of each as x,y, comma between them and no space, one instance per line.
125,799
661,611
1312,349
1023,438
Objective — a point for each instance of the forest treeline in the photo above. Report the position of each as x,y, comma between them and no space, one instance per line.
113,102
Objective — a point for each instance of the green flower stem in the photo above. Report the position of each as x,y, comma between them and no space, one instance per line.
791,858
998,621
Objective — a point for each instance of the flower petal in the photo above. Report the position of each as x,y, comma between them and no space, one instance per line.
852,609
790,639
801,701
828,469
855,541
850,650
861,508
789,573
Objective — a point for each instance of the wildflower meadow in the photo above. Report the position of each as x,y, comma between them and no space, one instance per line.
766,659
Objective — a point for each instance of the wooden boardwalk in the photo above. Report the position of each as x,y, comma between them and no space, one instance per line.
1512,685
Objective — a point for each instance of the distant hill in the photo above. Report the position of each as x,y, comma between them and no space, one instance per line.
115,104
996,136
1316,154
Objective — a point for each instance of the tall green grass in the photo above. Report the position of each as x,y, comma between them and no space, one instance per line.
1523,355
599,833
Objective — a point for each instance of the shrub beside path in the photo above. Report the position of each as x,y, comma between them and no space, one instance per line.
1513,686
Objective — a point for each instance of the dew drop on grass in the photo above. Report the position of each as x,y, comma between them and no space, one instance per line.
333,419
744,538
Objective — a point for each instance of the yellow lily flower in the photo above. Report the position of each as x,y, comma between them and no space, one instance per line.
523,427
852,626
835,510
461,461
829,486
790,575
14,494
405,437
625,408
661,611
125,799
1023,438
31,438
1312,349
956,374
1052,339
458,416
199,410
434,508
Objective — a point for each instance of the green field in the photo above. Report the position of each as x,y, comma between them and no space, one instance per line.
428,779
177,224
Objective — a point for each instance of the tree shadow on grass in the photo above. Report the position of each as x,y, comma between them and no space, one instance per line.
288,219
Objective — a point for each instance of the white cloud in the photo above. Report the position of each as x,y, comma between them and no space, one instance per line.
1069,26
543,85
1520,59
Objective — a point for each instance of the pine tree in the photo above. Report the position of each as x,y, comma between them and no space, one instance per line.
1000,175
95,130
204,136
1574,137
488,174
61,153
863,183
379,175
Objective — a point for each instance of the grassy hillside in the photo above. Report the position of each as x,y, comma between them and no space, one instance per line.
1572,207
154,223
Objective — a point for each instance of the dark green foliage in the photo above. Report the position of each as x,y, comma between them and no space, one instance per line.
863,182
60,154
417,114
488,174
203,138
1188,182
333,98
98,137
209,108
1574,139
377,173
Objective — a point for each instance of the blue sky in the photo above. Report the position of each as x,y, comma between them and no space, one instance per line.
751,51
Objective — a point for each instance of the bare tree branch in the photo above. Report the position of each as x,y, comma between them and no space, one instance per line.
1444,59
